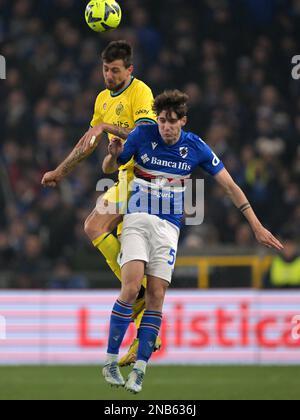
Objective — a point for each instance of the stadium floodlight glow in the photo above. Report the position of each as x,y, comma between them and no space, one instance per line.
2,67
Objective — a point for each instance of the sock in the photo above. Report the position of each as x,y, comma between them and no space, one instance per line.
140,365
110,247
111,358
119,322
148,333
139,308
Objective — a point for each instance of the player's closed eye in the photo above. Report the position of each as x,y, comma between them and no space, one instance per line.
115,70
164,120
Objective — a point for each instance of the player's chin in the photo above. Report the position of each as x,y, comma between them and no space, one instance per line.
111,86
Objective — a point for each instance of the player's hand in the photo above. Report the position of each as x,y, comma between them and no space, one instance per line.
115,147
266,238
91,138
51,179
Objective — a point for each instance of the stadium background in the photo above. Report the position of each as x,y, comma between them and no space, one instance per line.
233,57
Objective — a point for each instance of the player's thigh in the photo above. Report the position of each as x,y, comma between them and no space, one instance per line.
106,205
135,245
163,250
117,196
133,272
102,221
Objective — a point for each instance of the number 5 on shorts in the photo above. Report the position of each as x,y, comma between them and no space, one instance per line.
173,257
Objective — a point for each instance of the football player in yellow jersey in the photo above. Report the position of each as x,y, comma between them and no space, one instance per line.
126,103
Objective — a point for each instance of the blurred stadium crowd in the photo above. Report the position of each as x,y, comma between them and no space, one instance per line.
232,57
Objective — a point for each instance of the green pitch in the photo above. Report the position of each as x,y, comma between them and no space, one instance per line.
168,382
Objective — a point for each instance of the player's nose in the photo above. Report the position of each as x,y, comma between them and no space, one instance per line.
168,127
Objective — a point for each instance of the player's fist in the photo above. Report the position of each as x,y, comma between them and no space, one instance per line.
91,139
50,179
115,147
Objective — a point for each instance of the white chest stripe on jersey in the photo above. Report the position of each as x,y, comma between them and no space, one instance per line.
159,184
160,173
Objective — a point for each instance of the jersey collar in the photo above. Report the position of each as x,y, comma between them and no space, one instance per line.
114,95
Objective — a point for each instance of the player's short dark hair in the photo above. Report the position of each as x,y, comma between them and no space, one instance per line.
171,101
118,50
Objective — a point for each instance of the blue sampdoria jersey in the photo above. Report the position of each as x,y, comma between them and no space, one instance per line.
161,170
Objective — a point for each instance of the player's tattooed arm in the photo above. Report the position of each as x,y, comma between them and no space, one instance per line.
75,157
92,137
52,178
120,132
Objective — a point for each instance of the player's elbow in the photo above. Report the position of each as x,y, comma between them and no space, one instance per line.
109,169
230,188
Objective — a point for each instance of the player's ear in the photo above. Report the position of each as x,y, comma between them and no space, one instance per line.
183,121
130,69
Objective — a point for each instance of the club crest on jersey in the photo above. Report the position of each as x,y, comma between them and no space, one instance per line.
120,109
184,151
154,145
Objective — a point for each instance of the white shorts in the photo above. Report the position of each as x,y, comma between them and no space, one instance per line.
148,238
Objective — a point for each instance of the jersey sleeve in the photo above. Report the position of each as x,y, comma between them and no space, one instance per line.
209,161
142,105
130,147
97,118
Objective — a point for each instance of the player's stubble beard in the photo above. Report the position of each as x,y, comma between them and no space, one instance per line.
116,88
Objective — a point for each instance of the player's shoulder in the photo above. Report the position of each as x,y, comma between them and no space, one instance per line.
195,140
102,95
146,130
140,86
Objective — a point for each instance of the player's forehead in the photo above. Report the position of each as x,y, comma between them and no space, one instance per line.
168,115
116,64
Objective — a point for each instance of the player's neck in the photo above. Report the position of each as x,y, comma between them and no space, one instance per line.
124,86
172,142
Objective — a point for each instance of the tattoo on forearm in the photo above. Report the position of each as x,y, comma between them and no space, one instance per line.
120,132
245,207
72,161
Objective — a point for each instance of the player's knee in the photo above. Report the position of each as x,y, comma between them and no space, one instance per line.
89,229
155,299
94,230
130,292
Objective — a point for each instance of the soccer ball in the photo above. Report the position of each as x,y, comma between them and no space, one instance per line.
103,15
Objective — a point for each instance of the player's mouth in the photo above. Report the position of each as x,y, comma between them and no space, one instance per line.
114,86
110,83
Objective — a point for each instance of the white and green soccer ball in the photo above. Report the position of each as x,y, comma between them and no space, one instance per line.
103,15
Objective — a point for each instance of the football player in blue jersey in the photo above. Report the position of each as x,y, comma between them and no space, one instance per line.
162,152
